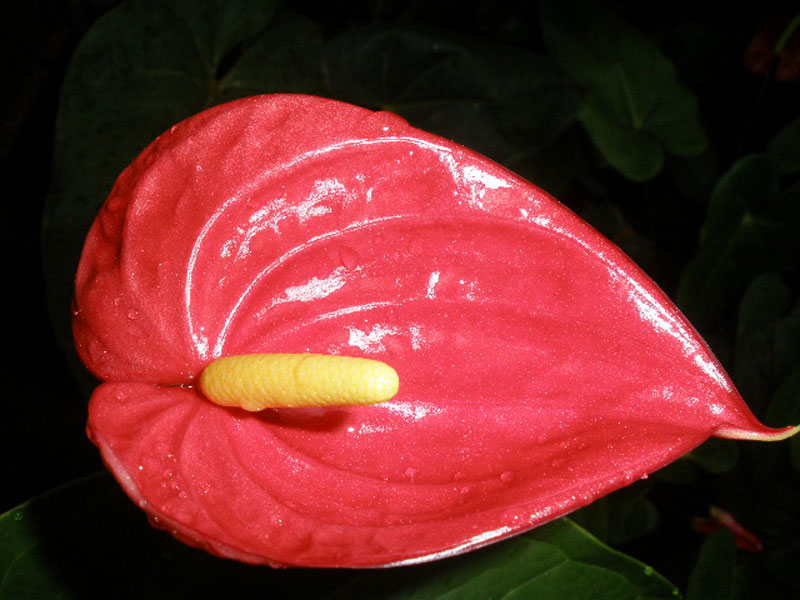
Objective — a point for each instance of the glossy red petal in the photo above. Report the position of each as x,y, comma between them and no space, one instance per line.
360,487
539,368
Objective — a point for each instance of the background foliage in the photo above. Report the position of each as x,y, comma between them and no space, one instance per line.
673,128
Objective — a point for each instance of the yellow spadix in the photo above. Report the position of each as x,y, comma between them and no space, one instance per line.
258,381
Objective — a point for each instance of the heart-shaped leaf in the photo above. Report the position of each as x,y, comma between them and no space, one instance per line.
85,537
785,148
621,517
502,101
768,337
635,109
714,575
786,403
557,561
750,229
540,368
715,456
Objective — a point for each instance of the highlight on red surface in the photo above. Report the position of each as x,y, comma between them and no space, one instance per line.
540,368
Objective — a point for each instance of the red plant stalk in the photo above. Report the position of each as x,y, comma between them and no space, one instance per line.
539,368
745,539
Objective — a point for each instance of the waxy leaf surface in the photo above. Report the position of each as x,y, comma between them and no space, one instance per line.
539,367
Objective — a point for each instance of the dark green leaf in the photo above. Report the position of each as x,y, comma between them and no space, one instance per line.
502,101
715,456
622,517
713,577
694,176
750,186
785,148
609,220
51,543
681,472
794,452
559,560
635,110
785,405
143,67
750,229
86,540
568,159
217,27
784,409
767,338
631,150
285,58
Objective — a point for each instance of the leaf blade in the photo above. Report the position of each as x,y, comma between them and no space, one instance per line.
633,92
559,560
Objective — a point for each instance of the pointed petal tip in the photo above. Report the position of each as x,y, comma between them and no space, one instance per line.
764,434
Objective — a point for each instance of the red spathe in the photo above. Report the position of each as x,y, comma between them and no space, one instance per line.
539,367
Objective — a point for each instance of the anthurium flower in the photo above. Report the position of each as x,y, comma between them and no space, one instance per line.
538,367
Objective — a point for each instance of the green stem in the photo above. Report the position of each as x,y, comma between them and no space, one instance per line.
767,435
786,35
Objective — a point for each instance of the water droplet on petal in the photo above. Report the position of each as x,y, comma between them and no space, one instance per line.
348,257
388,121
276,521
507,477
515,517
